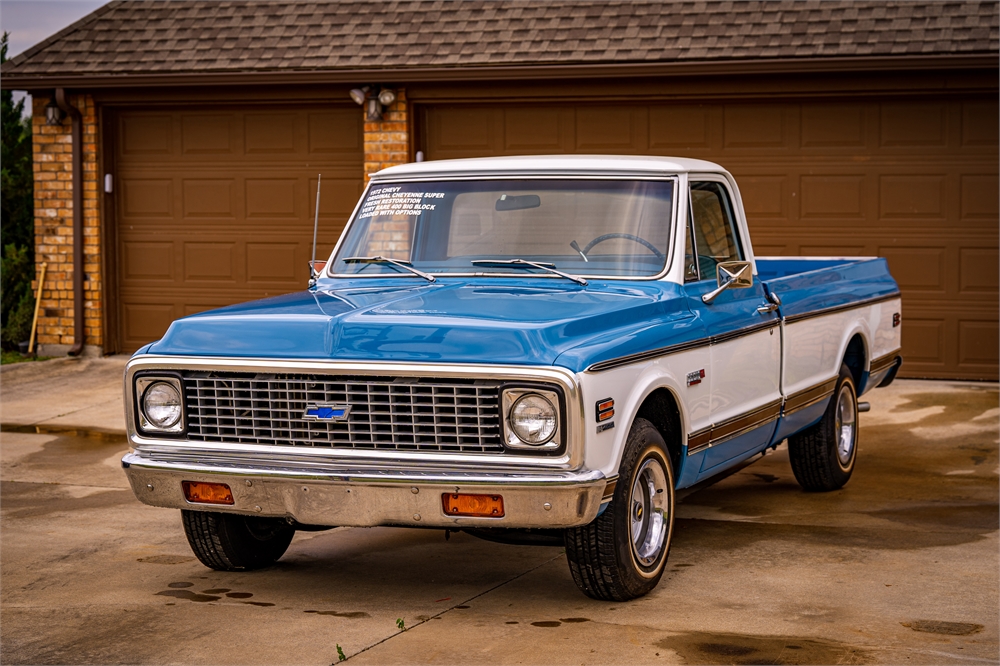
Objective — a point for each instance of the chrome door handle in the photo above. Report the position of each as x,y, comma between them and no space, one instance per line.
766,308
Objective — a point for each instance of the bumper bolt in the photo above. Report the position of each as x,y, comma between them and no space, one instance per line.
149,486
257,509
414,490
416,516
547,506
249,483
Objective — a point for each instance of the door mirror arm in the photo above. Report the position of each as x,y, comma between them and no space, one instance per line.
730,275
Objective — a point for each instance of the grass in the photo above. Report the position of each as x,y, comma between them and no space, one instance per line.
15,357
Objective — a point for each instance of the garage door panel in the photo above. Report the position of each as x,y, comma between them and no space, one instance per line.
270,133
913,124
336,133
537,131
464,133
923,340
214,198
145,322
756,126
833,197
765,197
146,198
215,207
682,127
836,126
918,269
207,260
978,344
149,260
980,125
978,271
610,129
208,134
913,196
271,263
979,195
274,198
146,135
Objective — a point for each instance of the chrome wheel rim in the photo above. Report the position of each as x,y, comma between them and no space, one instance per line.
649,512
846,425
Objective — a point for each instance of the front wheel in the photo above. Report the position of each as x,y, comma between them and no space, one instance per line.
823,456
231,542
622,553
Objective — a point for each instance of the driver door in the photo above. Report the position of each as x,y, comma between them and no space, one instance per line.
746,344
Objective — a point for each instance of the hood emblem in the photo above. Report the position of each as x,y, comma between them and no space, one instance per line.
326,412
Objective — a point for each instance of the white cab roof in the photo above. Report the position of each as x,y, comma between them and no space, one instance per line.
549,165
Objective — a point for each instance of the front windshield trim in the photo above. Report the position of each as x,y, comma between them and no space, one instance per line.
667,264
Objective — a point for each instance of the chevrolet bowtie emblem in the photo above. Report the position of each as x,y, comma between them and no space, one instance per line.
321,412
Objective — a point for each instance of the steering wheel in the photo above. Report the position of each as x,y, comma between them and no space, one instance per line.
641,241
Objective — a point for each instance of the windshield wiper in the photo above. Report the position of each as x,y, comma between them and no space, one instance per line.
551,268
405,265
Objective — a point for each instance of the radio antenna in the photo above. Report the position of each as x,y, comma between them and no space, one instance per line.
312,264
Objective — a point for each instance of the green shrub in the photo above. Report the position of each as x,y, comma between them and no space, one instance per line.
17,303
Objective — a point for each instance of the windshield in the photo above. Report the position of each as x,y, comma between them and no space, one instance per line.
615,228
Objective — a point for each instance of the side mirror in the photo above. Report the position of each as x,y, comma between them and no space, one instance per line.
730,275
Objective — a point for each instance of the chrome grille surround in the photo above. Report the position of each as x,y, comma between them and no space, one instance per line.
393,413
310,460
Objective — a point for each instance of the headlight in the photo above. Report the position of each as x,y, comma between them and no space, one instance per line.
161,405
532,418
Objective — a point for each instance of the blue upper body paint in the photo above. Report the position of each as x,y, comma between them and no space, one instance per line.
501,320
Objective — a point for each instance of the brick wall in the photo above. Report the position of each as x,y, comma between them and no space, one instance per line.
53,171
387,143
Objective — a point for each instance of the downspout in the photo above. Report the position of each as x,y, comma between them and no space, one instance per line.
78,311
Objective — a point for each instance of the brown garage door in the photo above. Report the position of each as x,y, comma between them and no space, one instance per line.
215,206
914,181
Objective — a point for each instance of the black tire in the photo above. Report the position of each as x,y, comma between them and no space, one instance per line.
231,542
605,562
824,455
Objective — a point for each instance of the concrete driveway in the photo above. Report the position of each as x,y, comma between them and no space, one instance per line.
901,566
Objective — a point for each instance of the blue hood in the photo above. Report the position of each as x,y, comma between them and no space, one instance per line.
482,320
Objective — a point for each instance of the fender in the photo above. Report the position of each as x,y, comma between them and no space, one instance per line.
630,387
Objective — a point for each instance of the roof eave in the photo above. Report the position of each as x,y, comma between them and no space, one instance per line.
977,61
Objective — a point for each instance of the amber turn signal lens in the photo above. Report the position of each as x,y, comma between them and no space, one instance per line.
207,493
480,506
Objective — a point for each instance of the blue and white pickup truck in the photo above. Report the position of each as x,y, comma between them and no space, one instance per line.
532,349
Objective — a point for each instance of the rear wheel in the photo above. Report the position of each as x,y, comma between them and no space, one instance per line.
823,456
622,553
231,542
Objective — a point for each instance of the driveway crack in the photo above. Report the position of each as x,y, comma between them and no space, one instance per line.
451,608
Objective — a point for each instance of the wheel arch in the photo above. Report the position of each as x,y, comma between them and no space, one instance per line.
662,408
856,356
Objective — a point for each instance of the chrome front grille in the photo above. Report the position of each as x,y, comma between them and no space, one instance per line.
385,413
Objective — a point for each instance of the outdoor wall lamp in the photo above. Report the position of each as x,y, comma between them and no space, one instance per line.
375,99
53,114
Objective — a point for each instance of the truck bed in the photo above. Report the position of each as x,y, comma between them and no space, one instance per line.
807,285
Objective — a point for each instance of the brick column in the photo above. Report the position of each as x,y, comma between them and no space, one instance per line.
52,147
387,143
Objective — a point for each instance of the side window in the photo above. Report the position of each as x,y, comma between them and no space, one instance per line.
715,235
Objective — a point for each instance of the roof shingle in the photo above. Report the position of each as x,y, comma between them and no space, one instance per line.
132,37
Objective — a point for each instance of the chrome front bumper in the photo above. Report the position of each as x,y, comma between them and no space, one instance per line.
367,498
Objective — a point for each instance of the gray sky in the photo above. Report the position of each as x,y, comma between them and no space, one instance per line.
31,21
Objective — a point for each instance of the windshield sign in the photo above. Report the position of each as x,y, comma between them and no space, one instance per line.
598,228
